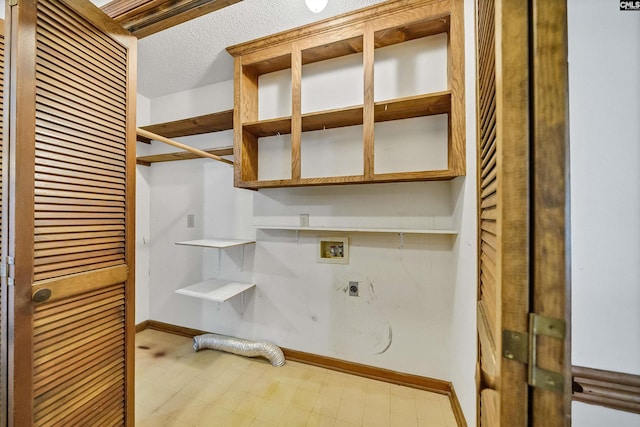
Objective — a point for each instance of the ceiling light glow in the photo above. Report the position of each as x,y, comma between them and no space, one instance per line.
316,6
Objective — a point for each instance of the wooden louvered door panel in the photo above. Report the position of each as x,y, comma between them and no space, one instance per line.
523,200
71,218
503,194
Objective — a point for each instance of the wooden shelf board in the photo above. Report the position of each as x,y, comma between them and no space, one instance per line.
215,290
216,243
270,127
270,65
359,229
413,106
303,182
434,175
332,50
181,155
394,109
330,119
411,31
207,123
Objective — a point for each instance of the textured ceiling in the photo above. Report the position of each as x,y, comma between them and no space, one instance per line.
193,54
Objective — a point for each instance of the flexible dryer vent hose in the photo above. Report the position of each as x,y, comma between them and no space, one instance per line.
241,347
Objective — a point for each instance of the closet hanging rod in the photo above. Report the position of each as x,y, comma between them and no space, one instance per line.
168,141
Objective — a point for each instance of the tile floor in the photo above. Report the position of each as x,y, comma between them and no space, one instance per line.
176,386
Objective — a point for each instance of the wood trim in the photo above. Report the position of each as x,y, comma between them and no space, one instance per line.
182,331
615,390
456,408
145,17
372,372
142,326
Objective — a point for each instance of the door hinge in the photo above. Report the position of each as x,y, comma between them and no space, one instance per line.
522,347
4,269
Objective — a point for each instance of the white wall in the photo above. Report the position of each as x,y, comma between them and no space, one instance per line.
416,309
604,65
142,217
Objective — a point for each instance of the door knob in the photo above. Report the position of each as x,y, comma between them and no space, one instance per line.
41,295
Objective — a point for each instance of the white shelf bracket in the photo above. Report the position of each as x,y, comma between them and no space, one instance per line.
401,240
219,259
242,309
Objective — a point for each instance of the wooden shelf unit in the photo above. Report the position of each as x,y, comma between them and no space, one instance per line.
361,31
208,123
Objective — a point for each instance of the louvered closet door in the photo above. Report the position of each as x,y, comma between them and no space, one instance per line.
72,216
503,193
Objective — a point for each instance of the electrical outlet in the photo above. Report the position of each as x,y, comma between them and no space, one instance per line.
353,289
191,221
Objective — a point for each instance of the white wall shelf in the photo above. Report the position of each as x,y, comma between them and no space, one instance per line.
359,229
216,243
215,290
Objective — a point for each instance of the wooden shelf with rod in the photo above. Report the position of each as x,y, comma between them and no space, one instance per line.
359,32
181,155
208,123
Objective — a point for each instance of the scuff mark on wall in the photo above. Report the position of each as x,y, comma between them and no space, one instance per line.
390,340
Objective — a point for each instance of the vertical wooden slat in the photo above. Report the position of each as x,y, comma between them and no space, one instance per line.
368,118
551,247
296,112
456,66
512,107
